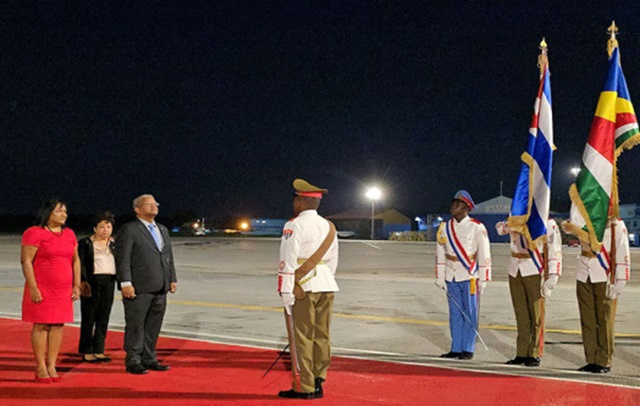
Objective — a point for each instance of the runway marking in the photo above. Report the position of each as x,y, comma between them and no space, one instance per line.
363,317
367,317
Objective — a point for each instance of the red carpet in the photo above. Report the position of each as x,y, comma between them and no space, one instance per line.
204,374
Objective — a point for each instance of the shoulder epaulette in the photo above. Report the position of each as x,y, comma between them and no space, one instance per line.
440,237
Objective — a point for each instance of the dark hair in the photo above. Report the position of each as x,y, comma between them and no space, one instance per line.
104,216
45,210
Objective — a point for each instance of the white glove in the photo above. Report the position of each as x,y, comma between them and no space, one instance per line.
501,228
288,299
481,286
441,284
614,291
548,286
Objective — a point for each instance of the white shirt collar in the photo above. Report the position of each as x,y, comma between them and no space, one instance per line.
146,223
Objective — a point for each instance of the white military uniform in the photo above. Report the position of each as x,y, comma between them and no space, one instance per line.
589,266
596,303
301,237
472,235
463,242
521,258
525,281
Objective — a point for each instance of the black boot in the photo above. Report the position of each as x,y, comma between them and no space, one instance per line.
451,354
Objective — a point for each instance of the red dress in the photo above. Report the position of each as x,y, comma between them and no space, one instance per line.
53,271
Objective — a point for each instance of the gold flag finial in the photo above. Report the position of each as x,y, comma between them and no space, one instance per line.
613,42
543,60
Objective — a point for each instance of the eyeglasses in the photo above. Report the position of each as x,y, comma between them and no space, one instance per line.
151,204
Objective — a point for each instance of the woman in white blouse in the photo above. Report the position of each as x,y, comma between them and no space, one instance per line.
97,287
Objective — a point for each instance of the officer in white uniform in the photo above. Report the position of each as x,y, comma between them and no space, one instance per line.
463,267
301,238
597,296
526,274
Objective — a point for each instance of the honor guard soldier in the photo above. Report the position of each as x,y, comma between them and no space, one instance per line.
463,267
530,279
598,290
306,283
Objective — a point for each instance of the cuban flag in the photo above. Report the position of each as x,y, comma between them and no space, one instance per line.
530,205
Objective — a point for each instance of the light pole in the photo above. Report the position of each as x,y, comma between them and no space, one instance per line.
373,193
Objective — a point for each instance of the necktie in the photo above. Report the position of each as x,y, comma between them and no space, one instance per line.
156,236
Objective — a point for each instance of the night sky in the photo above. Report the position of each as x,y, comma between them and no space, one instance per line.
216,106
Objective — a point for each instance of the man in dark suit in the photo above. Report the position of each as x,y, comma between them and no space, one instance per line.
145,271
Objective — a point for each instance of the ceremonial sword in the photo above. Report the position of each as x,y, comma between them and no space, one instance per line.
467,318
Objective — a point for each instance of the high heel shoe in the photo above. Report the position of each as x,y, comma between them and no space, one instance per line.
56,379
42,380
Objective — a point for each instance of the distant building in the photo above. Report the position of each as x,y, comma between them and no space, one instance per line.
630,213
498,205
358,221
266,227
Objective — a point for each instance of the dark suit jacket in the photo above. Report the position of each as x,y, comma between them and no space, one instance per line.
85,252
139,261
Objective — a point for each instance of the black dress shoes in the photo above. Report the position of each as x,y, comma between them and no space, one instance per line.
451,354
518,361
291,394
466,355
137,369
158,367
319,391
532,362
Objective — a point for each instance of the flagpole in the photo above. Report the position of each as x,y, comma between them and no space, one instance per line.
612,43
543,63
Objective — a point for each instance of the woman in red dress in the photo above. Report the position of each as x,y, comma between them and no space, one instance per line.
51,270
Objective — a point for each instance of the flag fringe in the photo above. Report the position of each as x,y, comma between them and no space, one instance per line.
519,223
628,144
571,228
615,202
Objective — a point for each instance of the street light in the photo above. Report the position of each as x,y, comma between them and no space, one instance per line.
373,193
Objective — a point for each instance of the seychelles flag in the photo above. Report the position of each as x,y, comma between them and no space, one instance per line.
594,195
530,205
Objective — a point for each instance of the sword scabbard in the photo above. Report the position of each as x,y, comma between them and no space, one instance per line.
295,366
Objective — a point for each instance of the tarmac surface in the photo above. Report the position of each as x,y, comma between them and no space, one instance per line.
388,307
